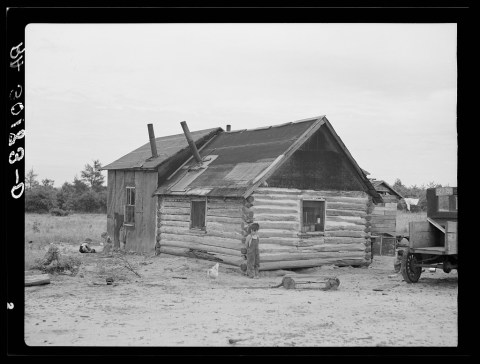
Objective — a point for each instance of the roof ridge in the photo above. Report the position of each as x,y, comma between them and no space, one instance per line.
278,125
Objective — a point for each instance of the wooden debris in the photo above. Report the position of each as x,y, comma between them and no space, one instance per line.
37,280
292,281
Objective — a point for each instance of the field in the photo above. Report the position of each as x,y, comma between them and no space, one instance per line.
172,303
403,218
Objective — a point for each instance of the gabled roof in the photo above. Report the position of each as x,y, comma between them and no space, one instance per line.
167,147
239,161
382,186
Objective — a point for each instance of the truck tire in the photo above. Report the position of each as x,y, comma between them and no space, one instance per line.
410,272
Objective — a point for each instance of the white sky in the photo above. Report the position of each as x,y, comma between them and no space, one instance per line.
389,90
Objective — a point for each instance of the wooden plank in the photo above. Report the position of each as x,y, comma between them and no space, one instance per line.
273,233
437,225
224,219
343,226
36,280
451,242
292,191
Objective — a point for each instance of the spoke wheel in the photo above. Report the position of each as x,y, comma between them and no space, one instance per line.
410,271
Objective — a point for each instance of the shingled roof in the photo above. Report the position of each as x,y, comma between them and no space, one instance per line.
167,147
237,162
382,186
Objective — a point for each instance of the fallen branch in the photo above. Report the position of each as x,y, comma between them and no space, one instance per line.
128,265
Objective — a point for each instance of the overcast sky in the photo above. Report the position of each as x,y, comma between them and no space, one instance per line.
389,90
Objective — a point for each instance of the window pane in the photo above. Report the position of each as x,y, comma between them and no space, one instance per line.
198,214
314,215
129,214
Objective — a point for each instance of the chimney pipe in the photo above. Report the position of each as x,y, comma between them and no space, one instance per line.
153,146
190,141
228,127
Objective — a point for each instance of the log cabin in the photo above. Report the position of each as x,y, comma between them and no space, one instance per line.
197,197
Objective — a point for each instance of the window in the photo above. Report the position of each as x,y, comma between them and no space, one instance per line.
130,206
447,203
313,216
197,214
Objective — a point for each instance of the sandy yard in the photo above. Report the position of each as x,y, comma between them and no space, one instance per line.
174,304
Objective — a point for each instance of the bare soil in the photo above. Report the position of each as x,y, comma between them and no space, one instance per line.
175,304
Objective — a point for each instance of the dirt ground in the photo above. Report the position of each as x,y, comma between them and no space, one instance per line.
175,304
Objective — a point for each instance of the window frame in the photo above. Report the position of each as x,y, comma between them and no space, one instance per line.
196,228
324,217
128,204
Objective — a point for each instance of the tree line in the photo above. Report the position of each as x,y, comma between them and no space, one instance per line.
84,194
414,191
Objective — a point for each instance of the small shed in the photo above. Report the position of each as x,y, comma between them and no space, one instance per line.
296,180
384,219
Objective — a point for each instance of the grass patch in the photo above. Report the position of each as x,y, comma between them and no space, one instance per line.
44,229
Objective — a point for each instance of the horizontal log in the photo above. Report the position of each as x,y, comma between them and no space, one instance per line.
334,247
236,207
213,257
331,212
223,234
287,225
175,211
274,210
173,223
176,204
348,219
208,248
222,226
275,202
343,226
346,206
279,241
275,257
166,217
277,217
227,202
225,213
346,233
277,233
224,219
171,199
292,264
342,240
207,240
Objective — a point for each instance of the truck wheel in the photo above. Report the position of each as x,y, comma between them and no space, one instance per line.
410,271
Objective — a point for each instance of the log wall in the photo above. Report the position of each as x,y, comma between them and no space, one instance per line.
222,239
345,241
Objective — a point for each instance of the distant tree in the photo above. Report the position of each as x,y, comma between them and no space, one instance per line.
79,186
47,182
93,175
31,179
40,199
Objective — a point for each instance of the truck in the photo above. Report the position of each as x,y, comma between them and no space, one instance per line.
432,243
